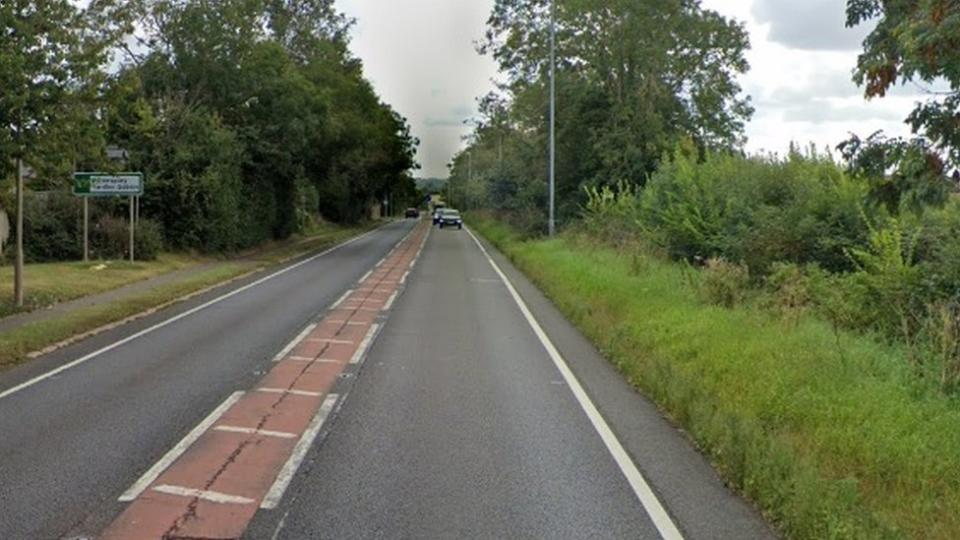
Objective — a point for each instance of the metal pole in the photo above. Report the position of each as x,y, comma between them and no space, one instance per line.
86,229
131,229
553,114
18,265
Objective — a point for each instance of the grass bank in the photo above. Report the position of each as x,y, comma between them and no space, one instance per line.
826,431
64,281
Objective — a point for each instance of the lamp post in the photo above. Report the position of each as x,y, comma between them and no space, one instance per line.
553,115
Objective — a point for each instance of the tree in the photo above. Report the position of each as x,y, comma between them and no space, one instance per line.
634,78
914,42
51,51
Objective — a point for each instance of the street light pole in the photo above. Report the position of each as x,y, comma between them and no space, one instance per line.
553,114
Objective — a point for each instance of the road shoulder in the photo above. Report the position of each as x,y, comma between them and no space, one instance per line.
682,478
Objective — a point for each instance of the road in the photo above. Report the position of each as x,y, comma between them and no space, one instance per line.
468,416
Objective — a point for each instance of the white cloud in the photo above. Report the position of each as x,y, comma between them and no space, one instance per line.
420,57
809,24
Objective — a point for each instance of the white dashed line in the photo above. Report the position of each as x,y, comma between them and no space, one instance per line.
154,472
286,350
203,494
289,391
254,431
272,499
365,344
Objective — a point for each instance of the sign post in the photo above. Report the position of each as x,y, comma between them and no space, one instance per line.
86,229
100,184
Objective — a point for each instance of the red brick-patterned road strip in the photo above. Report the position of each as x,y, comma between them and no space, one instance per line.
243,456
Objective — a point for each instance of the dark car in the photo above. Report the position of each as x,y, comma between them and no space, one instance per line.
437,210
450,218
412,213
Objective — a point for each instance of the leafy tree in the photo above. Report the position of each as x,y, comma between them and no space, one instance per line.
52,50
634,78
914,42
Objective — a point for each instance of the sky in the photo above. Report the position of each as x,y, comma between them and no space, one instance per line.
421,57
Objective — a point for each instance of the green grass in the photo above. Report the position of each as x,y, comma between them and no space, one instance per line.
71,280
49,283
828,433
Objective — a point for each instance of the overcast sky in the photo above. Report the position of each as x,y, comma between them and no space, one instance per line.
420,56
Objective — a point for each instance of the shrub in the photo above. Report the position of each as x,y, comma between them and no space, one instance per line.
52,227
149,239
757,211
109,238
724,283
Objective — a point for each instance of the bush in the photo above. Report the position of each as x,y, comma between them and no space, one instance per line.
757,211
52,227
149,240
109,238
724,283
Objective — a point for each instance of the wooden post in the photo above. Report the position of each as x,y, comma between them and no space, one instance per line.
86,229
131,229
18,265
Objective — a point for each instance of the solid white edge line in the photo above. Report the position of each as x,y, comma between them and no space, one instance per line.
658,514
204,494
154,472
175,318
293,343
365,344
273,497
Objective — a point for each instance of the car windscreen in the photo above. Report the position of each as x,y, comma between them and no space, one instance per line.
451,214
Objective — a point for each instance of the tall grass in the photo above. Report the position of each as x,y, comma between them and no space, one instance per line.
829,431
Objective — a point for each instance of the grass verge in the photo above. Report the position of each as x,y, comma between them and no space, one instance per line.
18,343
50,283
827,432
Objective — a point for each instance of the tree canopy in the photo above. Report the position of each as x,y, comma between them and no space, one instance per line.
249,117
633,79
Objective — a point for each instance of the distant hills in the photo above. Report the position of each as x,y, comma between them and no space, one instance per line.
431,185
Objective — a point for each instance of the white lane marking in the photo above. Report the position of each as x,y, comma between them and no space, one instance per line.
365,276
286,350
289,391
340,300
272,499
331,341
315,360
206,495
175,318
154,472
365,344
661,519
390,301
255,431
403,279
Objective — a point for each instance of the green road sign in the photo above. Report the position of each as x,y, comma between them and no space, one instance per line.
99,184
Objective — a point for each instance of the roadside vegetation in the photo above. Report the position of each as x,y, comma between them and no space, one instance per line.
829,431
798,314
251,121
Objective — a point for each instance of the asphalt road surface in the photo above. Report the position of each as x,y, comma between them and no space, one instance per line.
70,445
470,417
